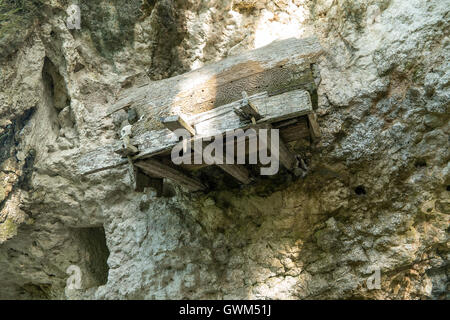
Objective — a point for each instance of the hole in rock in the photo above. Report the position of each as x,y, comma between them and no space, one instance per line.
420,163
55,85
448,187
94,253
360,190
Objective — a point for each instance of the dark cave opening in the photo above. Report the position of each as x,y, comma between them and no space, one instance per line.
95,255
420,163
55,85
87,250
360,190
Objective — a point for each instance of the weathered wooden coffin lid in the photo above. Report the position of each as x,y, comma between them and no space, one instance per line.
276,68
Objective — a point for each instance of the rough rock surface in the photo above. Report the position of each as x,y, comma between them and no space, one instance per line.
377,192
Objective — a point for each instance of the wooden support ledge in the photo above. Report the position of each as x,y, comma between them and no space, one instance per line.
218,121
268,88
285,157
237,171
156,168
314,126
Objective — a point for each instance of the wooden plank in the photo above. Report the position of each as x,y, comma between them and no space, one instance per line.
239,172
275,108
156,168
296,131
314,126
207,115
132,171
286,158
155,142
284,106
285,123
143,181
279,67
215,122
175,122
193,167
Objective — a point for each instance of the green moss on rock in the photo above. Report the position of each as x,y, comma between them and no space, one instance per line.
8,229
16,20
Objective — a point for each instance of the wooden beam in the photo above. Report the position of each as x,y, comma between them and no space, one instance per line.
156,168
247,110
132,171
295,131
314,126
275,108
239,172
286,158
140,181
284,106
279,67
175,122
222,110
145,181
285,123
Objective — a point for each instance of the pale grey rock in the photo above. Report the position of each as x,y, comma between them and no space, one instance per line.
375,194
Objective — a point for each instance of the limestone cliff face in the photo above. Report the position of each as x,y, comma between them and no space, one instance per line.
376,195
